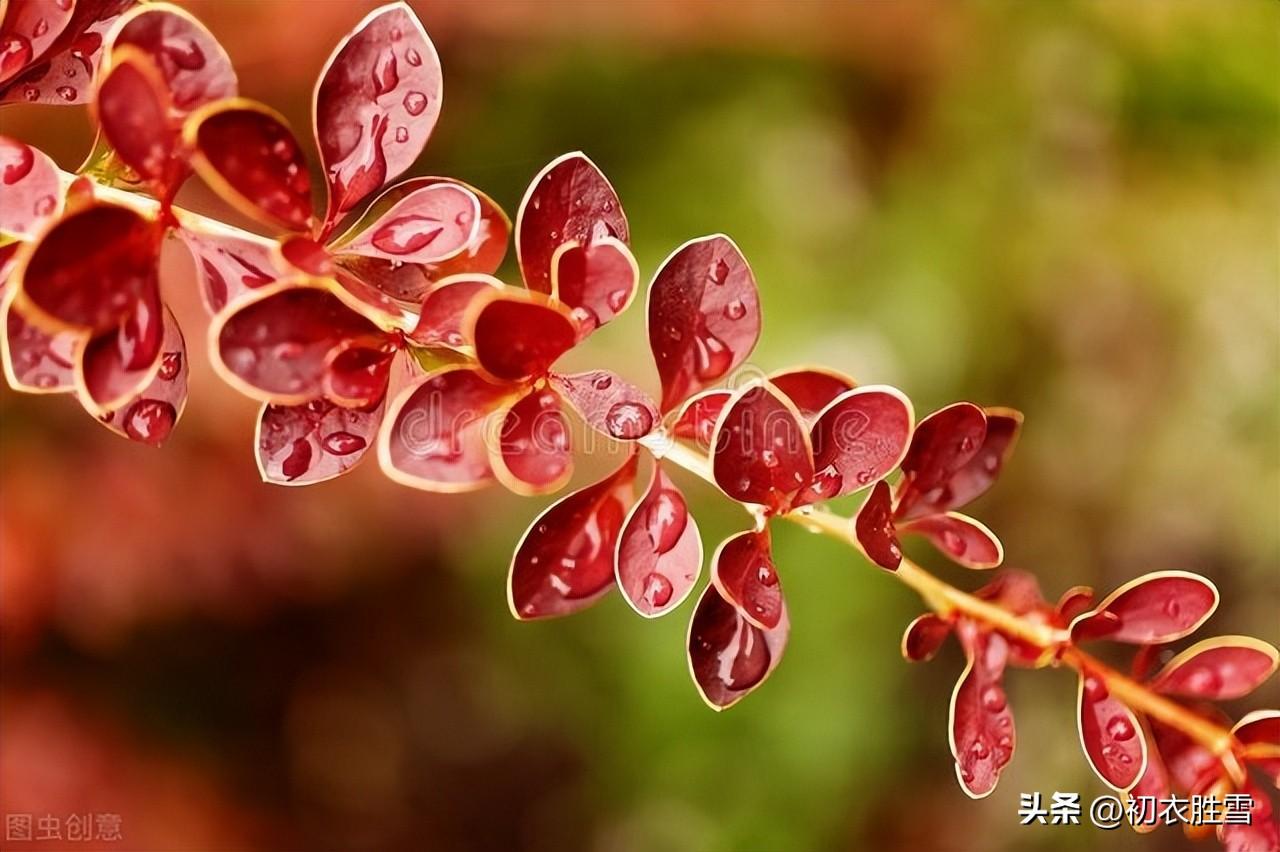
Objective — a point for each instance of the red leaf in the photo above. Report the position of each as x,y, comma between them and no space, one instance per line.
150,415
1259,731
304,254
228,267
924,637
565,560
811,388
1218,669
762,452
357,370
697,418
36,362
28,30
1153,787
313,442
1150,610
519,336
247,154
89,270
608,403
704,316
276,344
1191,767
132,108
1073,601
444,308
598,282
1110,734
376,104
659,551
875,531
433,436
429,225
729,656
982,735
569,201
196,70
943,443
981,472
405,283
370,302
63,71
1260,834
533,455
32,191
960,538
118,364
858,439
743,571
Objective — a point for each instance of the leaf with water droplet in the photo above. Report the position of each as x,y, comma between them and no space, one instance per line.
960,538
336,438
608,403
1218,669
729,656
1108,732
518,334
756,420
36,361
811,388
133,111
600,279
444,308
697,418
942,444
195,69
924,637
229,267
981,724
659,556
428,225
875,531
1150,610
27,176
743,571
533,454
861,435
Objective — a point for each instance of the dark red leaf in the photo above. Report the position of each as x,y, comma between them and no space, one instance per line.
981,472
370,302
569,201
247,154
704,316
943,443
697,418
89,270
429,225
743,571
196,70
132,107
1218,669
729,656
518,335
313,442
564,562
659,551
1152,609
1073,601
376,104
34,361
1261,833
1110,734
116,365
32,192
62,72
811,388
533,455
444,309
762,452
597,282
960,538
858,439
28,30
1259,733
229,267
433,436
875,531
403,282
608,403
981,728
306,255
357,370
924,637
150,415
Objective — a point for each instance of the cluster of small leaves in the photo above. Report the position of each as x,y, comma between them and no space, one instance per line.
383,324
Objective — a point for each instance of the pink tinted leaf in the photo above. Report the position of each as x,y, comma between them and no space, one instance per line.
275,344
1152,609
608,403
405,283
729,657
444,309
1261,832
313,442
960,538
518,336
981,472
229,267
924,637
565,560
1259,733
659,551
150,415
704,316
811,388
429,225
247,154
433,436
761,449
697,418
742,570
63,72
34,361
875,531
32,190
90,269
195,68
116,365
597,282
28,30
981,730
375,105
569,201
858,439
943,443
1110,735
533,454
132,107
1218,669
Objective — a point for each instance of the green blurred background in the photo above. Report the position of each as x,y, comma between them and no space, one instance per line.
1068,207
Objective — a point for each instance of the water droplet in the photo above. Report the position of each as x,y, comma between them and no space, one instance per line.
415,103
769,457
966,444
1120,728
185,55
150,421
766,575
16,161
31,93
1095,689
993,699
342,443
618,299
966,775
412,57
454,338
67,93
41,27
1204,681
170,366
657,590
402,135
991,463
568,563
712,358
628,420
735,310
396,34
385,74
407,234
718,273
666,520
45,206
1172,608
1116,755
954,543
980,750
602,382
825,484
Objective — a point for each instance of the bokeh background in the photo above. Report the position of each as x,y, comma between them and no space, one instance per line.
1071,208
